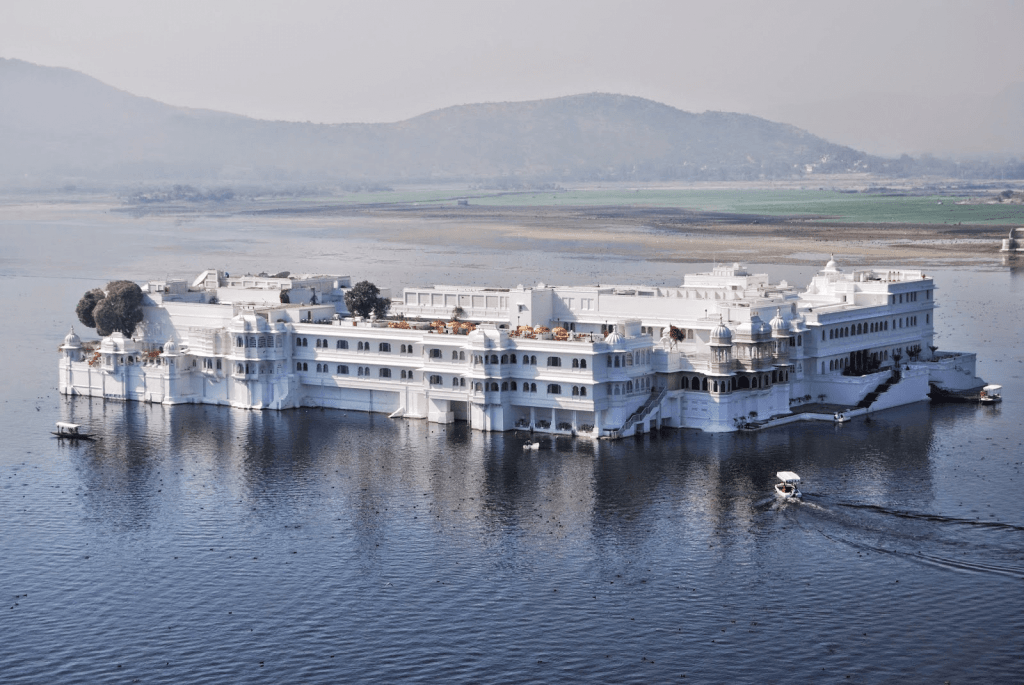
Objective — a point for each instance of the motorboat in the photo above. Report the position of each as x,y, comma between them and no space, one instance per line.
71,431
531,446
786,488
990,394
840,417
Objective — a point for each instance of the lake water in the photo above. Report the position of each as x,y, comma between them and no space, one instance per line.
209,545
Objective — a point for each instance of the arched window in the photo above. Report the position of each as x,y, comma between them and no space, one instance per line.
629,387
218,365
575,391
462,382
504,385
455,355
318,367
478,387
616,388
583,363
583,392
629,359
704,385
609,361
238,342
238,368
384,373
494,387
533,360
360,371
512,358
342,344
830,334
436,380
575,364
434,353
533,387
554,361
318,342
494,359
554,389
513,386
455,382
305,366
799,341
462,356
384,347
617,362
342,370
504,359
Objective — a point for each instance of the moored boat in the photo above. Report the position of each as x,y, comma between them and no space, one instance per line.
990,394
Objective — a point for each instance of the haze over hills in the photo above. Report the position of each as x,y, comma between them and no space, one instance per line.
59,126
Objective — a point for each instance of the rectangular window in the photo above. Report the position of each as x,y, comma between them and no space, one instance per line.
436,300
451,300
478,301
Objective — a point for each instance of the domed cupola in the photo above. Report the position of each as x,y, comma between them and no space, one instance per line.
72,339
613,339
170,348
721,335
778,324
831,266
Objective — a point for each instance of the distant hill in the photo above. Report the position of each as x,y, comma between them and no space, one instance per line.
61,126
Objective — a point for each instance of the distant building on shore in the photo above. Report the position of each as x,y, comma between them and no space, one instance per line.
722,350
1015,243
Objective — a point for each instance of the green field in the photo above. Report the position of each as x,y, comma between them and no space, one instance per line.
837,206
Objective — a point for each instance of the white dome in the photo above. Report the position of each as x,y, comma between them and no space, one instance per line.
170,347
613,338
72,339
778,323
721,333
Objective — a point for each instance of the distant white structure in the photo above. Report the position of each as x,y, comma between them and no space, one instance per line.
1014,243
603,360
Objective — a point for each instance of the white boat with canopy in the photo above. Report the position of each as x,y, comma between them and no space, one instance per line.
990,394
786,488
71,431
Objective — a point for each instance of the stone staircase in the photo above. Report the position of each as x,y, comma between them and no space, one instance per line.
644,411
870,398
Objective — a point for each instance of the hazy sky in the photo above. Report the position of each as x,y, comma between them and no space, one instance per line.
385,61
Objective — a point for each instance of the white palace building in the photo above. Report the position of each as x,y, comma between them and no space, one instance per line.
722,350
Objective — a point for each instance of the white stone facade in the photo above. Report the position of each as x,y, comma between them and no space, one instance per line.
619,360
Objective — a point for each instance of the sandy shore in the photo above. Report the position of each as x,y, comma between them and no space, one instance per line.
682,236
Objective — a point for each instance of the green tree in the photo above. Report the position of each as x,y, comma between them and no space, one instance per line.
87,304
284,297
364,297
120,310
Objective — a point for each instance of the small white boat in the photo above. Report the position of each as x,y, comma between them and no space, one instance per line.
840,417
71,431
990,394
786,487
531,446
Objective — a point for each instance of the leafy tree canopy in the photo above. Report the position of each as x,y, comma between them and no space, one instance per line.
364,297
119,309
87,304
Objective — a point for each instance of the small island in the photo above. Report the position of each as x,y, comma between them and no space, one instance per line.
723,351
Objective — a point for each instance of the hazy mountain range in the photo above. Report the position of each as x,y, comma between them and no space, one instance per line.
60,126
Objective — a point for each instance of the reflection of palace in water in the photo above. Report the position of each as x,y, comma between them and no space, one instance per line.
604,360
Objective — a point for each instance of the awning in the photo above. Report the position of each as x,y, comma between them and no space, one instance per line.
787,477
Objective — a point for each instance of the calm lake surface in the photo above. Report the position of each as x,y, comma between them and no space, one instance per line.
210,545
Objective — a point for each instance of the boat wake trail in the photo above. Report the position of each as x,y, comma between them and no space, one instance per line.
936,560
997,525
